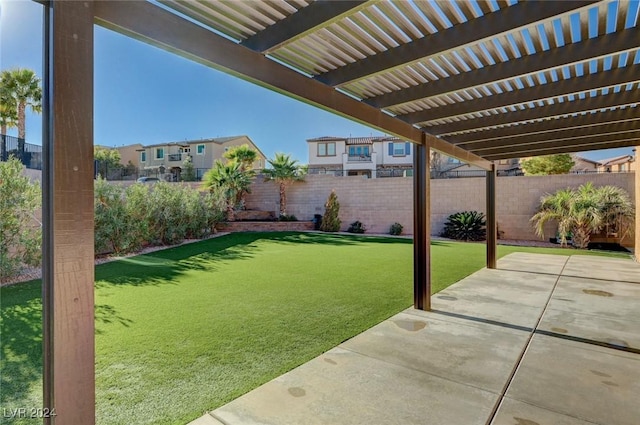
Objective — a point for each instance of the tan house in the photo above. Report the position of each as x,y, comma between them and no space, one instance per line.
166,159
618,164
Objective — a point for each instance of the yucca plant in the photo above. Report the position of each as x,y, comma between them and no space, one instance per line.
466,226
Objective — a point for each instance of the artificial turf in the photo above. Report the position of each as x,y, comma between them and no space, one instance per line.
187,329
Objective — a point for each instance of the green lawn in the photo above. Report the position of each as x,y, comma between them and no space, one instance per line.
187,329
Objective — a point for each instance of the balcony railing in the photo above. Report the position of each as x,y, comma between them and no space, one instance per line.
359,158
29,154
174,157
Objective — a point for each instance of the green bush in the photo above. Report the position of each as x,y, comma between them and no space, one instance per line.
396,229
285,217
356,227
113,226
466,226
165,213
330,220
20,232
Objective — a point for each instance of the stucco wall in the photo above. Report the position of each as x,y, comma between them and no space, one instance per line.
378,203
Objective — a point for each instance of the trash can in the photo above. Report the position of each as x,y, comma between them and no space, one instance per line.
317,220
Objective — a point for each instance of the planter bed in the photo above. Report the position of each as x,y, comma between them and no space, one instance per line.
264,226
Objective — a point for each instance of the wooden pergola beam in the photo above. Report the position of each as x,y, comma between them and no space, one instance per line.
612,100
558,137
547,126
487,26
321,13
153,25
600,80
593,48
595,144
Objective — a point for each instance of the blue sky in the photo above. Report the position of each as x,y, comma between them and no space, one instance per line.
145,95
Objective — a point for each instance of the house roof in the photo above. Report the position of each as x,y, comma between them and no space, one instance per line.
354,140
623,159
480,80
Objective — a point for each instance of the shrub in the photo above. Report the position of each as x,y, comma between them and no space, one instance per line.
356,227
330,220
585,210
466,226
396,229
20,232
285,217
113,226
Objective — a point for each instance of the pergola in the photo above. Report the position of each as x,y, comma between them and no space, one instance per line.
480,80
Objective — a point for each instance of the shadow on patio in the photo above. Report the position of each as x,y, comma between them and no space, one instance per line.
544,339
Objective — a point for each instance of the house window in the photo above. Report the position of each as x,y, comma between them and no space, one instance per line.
359,151
399,149
327,149
200,150
503,162
159,153
143,157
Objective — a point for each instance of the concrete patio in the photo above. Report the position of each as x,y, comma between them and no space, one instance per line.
543,340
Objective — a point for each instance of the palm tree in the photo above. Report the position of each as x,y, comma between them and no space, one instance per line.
585,211
616,209
555,207
21,88
586,214
231,178
243,154
284,171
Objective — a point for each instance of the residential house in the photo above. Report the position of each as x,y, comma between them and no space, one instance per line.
370,157
618,164
167,159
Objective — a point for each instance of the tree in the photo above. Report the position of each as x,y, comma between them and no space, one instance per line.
243,154
20,232
330,220
284,171
548,164
188,172
21,88
108,159
584,211
231,178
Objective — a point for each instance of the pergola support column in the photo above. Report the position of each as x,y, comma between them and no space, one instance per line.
637,203
421,227
492,224
68,263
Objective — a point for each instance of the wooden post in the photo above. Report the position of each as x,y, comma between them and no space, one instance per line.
68,268
421,227
492,227
637,203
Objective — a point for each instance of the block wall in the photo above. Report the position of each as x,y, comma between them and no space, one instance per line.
378,203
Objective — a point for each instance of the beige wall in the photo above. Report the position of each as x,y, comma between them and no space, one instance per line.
637,178
378,203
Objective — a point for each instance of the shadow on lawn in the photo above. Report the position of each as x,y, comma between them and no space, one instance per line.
166,266
21,343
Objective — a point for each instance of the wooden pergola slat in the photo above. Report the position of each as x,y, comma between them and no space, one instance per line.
468,140
628,138
489,25
630,97
562,56
318,14
558,136
620,76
